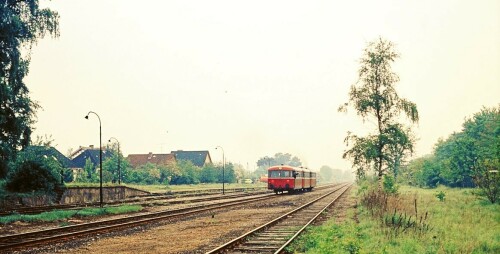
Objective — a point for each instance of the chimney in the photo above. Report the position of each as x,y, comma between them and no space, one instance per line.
91,146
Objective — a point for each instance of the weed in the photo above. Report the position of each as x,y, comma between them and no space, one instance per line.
58,215
440,195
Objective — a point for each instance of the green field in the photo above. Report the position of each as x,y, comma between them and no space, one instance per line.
461,223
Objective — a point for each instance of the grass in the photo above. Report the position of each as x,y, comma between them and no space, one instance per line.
461,223
58,215
183,187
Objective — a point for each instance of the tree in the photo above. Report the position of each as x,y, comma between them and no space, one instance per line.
376,99
229,174
209,174
110,165
468,158
35,173
457,157
22,24
88,174
423,172
167,172
483,132
189,173
327,173
278,159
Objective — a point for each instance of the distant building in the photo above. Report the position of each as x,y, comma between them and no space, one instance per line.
198,158
80,156
137,160
51,152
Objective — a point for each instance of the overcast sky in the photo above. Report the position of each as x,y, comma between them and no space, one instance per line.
255,77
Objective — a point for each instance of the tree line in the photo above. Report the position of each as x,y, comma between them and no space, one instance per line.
468,158
180,172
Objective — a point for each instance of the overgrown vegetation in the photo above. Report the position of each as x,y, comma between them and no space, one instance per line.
59,215
31,173
468,158
462,224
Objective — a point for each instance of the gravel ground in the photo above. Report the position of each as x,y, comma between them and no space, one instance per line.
192,234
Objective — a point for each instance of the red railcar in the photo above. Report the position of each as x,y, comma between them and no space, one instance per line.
291,179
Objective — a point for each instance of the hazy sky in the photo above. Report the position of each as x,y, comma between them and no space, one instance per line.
255,77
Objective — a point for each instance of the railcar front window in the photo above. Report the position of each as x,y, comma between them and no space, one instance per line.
274,173
279,173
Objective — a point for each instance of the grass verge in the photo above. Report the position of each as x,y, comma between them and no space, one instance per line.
58,215
461,223
158,188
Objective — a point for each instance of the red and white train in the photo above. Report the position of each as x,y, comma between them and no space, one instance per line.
291,179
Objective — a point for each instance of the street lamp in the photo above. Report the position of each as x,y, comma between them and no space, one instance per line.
119,170
223,167
100,155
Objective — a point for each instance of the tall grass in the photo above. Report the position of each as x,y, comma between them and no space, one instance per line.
461,223
59,215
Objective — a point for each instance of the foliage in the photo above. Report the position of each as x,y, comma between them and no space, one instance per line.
66,214
34,174
390,186
110,167
487,177
23,23
145,174
327,173
229,173
189,173
468,158
88,174
182,172
376,99
440,195
209,174
278,159
424,171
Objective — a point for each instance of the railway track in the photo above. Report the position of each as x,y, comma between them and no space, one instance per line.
276,235
19,241
136,200
63,234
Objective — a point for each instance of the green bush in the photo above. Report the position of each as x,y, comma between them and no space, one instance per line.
33,176
390,186
440,195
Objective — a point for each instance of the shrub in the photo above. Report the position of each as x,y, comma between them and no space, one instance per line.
33,176
440,195
390,186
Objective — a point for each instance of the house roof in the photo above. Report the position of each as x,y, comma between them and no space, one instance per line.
137,160
198,158
49,151
93,154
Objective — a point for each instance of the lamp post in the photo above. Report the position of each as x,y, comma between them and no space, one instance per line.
119,169
100,155
223,167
